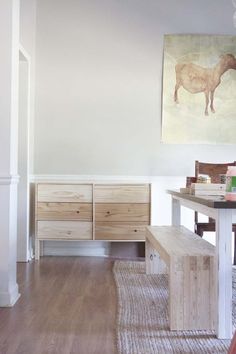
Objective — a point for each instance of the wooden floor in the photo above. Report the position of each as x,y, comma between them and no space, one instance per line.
67,305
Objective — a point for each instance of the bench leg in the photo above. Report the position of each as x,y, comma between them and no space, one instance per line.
154,264
192,296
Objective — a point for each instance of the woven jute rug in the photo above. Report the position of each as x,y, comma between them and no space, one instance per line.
142,319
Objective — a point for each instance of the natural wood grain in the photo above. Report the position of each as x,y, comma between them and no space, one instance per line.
64,193
120,231
64,211
191,263
67,305
136,193
122,212
60,206
179,241
66,230
155,264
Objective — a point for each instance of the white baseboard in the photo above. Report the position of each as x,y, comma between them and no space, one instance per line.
73,248
8,299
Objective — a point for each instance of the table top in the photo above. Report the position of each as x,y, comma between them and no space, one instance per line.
217,202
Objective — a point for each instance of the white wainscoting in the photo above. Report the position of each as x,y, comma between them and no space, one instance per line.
160,209
76,248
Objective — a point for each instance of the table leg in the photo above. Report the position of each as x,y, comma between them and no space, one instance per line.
224,273
176,212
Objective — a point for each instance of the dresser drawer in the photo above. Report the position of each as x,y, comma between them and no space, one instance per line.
116,231
71,230
122,193
64,193
64,211
122,212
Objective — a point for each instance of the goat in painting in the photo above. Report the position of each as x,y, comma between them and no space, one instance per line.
195,78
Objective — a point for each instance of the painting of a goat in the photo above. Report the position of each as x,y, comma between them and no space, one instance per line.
195,78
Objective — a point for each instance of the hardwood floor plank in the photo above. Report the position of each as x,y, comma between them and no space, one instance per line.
67,305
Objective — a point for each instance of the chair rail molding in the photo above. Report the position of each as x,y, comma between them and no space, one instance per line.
9,179
90,178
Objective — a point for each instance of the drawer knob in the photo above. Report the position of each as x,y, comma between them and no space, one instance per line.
77,211
108,212
135,230
68,232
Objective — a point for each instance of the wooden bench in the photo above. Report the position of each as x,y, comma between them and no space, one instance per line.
190,263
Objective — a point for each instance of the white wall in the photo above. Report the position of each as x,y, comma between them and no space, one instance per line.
27,25
99,81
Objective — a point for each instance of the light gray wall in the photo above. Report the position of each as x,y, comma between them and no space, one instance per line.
27,25
99,82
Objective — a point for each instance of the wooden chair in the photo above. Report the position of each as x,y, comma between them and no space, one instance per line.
232,349
214,171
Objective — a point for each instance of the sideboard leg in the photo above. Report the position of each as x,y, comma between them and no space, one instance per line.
37,249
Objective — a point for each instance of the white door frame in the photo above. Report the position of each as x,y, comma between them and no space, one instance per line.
23,209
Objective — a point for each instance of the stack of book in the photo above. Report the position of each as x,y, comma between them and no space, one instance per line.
207,189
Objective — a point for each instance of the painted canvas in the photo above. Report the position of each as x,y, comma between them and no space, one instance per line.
199,89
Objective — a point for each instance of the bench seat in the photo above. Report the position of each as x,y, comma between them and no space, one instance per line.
189,262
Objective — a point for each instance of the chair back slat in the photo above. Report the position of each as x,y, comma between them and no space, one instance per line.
232,349
213,170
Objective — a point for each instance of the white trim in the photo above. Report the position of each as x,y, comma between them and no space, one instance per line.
8,299
23,251
76,248
224,273
24,53
88,252
98,178
9,179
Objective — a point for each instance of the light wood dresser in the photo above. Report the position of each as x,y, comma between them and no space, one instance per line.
106,212
121,211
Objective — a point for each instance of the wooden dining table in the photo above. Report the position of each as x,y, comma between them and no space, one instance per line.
222,211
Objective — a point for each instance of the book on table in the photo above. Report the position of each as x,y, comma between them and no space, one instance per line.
207,189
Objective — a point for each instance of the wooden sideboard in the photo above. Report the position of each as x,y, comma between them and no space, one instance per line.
104,212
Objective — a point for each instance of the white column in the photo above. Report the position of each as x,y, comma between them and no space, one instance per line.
224,272
9,49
